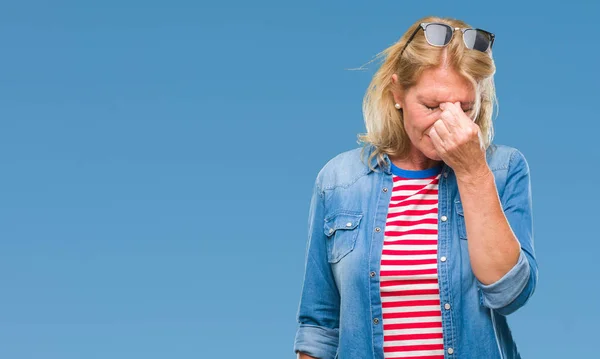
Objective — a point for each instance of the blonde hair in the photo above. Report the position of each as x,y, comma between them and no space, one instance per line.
385,124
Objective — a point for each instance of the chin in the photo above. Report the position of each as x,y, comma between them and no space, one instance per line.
428,150
434,156
431,153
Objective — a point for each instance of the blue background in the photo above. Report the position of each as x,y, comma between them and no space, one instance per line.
157,160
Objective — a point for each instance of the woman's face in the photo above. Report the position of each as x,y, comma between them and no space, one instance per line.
420,104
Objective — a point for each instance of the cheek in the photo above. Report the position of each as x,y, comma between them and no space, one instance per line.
420,123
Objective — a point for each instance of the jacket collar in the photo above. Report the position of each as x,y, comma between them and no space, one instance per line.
386,167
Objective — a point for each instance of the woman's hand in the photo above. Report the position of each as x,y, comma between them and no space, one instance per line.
457,140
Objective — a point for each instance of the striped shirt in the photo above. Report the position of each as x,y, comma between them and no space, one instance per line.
412,322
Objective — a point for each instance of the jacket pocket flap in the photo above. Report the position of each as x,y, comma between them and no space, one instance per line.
341,220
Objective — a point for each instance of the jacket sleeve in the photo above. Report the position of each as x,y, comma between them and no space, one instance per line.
318,312
515,288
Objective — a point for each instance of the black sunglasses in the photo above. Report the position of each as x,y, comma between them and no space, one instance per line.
438,34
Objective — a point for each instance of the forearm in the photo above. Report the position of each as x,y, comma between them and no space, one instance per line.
493,247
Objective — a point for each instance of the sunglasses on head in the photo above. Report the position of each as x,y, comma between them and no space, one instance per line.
439,34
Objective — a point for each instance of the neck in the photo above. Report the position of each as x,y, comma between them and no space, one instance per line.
414,162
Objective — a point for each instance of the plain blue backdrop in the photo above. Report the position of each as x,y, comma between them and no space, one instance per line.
157,160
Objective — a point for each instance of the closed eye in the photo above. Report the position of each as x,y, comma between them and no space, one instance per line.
431,108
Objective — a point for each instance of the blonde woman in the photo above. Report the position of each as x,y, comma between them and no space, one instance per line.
421,240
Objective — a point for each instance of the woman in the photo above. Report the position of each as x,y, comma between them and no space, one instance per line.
420,243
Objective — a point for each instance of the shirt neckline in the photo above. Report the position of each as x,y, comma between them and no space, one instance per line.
429,172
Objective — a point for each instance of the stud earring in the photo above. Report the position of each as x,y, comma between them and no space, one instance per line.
397,106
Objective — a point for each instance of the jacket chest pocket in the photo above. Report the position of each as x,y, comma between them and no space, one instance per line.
460,220
341,229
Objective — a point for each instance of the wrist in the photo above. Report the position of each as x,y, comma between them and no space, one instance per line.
475,176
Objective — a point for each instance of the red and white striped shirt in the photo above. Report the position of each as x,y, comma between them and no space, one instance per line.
412,322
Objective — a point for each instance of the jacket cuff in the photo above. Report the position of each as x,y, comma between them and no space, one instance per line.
316,341
504,291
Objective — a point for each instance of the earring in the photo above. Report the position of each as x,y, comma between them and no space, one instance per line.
397,106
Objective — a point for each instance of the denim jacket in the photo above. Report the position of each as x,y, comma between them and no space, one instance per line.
340,311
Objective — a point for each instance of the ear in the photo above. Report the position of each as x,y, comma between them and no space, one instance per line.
397,92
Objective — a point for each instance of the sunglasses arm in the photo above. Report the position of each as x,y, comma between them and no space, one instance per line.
410,38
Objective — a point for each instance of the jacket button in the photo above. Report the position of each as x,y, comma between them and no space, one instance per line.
377,229
443,258
446,174
450,351
447,306
444,218
372,274
384,189
376,320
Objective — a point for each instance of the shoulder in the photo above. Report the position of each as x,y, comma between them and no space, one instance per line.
505,158
343,169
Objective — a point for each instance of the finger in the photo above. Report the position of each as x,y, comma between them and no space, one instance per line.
467,113
449,118
465,123
436,140
456,111
442,130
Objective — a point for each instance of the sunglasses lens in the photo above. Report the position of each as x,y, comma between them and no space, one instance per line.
477,40
438,34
